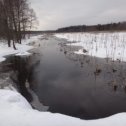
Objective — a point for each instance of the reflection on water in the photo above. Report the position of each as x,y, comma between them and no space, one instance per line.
76,85
22,76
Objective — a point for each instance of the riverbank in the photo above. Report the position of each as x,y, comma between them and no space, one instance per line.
8,73
109,45
22,50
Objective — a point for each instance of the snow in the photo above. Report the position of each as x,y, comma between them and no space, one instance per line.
2,59
104,45
14,99
21,48
23,54
16,111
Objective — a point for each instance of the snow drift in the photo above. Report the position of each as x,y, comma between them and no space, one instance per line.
16,111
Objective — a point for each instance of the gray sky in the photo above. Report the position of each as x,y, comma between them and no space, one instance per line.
53,14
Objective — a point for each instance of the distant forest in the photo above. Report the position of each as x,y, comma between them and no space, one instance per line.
100,27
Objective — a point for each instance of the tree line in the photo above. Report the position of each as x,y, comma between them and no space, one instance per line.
100,27
16,17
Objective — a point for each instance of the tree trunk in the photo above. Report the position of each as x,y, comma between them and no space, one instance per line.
14,45
9,43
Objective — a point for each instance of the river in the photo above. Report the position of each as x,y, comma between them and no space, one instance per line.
77,85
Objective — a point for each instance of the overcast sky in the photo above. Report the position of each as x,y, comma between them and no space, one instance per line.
53,14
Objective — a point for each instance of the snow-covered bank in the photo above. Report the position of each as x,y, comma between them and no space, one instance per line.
16,111
21,48
103,45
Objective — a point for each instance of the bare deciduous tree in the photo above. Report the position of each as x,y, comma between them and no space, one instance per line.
16,17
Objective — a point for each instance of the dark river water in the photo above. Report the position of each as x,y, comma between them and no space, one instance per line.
75,85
